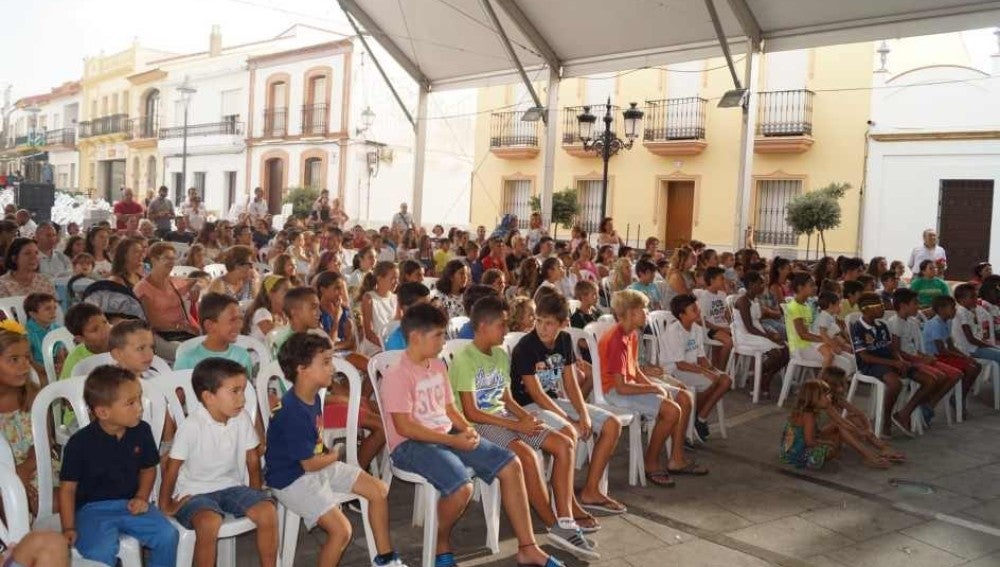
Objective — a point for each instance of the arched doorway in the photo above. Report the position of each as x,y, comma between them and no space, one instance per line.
274,172
150,114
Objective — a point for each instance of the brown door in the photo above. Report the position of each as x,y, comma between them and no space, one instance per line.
965,218
680,213
275,169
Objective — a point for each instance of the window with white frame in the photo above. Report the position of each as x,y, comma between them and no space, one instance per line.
517,200
588,196
770,226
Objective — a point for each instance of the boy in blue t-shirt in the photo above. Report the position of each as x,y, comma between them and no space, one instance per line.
407,294
939,344
107,475
645,271
41,310
220,319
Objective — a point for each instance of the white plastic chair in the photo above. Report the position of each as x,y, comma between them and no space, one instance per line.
573,304
55,339
87,365
15,506
216,270
182,271
796,365
451,348
71,391
734,367
511,339
455,325
13,308
425,495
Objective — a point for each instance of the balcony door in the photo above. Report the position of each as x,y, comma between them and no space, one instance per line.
314,113
150,113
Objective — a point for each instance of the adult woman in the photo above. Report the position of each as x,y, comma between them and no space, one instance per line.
337,214
163,298
927,285
449,287
126,269
97,246
209,239
74,246
321,207
224,234
284,266
606,234
195,257
240,279
21,275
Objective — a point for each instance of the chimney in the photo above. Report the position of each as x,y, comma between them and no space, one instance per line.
215,41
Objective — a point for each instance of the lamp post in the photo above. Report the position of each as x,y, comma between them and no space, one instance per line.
186,91
606,144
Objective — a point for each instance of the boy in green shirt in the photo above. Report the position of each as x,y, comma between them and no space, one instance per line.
90,329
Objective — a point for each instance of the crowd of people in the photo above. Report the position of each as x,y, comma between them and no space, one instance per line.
561,339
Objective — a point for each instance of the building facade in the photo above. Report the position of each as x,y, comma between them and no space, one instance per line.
41,141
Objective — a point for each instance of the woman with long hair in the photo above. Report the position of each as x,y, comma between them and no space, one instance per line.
209,239
98,240
607,235
450,286
74,245
240,279
126,268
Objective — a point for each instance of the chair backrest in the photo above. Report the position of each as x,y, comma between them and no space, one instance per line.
154,410
377,365
6,453
182,271
451,348
255,347
511,339
69,390
13,308
215,270
168,383
574,304
353,406
430,282
55,338
606,318
590,339
455,325
267,372
15,507
849,321
658,321
85,366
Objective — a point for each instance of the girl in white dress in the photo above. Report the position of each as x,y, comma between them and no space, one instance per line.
748,331
266,313
378,305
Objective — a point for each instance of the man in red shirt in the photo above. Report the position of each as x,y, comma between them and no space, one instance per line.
126,209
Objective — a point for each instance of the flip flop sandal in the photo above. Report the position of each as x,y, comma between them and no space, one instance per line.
446,559
604,507
692,469
902,428
550,562
660,478
591,527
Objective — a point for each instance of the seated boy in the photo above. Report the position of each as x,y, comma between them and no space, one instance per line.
131,345
302,310
214,451
645,272
305,475
852,290
427,435
938,342
890,283
408,294
626,386
480,377
712,304
686,360
90,330
966,329
221,320
107,474
585,292
542,360
41,310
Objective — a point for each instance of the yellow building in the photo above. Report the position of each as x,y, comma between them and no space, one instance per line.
105,127
680,179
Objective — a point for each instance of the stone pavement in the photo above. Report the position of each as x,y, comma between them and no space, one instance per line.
750,511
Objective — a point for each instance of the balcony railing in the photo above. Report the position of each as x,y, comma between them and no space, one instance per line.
314,120
21,140
674,119
60,137
224,128
145,127
785,113
275,123
508,130
570,128
113,124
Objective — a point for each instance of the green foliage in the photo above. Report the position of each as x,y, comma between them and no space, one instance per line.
565,207
302,199
817,211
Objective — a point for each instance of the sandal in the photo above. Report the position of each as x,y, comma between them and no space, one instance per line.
550,562
878,463
906,430
607,506
587,524
692,468
660,478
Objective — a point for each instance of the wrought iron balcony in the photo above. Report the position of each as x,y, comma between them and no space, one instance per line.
314,119
275,123
674,119
224,128
113,124
511,137
61,137
21,140
145,127
785,113
570,128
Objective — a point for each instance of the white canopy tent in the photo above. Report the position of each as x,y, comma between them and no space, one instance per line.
447,44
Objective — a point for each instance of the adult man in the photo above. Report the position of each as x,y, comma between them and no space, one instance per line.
257,208
126,210
182,233
51,262
25,226
161,211
194,211
402,220
929,251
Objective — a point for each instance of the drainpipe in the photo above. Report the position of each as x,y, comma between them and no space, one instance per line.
863,189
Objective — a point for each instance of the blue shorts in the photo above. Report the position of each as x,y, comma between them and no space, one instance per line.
446,468
234,501
880,370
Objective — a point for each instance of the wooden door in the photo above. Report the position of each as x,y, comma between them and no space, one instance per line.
680,213
965,215
275,192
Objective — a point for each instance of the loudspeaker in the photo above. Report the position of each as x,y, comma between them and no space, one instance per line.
39,198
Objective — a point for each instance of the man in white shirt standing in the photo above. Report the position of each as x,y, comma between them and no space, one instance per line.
402,220
929,251
51,262
257,208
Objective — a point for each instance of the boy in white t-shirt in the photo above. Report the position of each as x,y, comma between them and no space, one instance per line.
828,327
712,303
213,459
686,360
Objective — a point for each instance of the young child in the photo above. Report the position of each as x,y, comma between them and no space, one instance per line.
686,360
266,313
749,330
220,319
712,304
41,310
938,342
852,291
868,283
442,255
906,333
890,283
806,445
552,276
378,305
83,269
645,272
727,261
543,360
90,330
303,313
967,330
17,393
802,341
213,451
411,271
836,379
828,327
334,311
408,294
304,474
429,436
626,386
480,378
522,315
107,475
588,312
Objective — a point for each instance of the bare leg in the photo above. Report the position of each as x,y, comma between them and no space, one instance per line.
515,504
338,535
371,445
711,396
604,448
264,515
450,508
375,492
666,424
538,492
206,529
892,387
42,549
927,385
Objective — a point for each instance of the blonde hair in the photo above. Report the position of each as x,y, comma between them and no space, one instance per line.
626,300
519,307
621,275
810,395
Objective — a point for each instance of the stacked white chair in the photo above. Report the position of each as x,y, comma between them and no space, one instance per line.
215,270
796,365
13,308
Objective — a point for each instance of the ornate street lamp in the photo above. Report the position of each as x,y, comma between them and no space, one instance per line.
367,118
606,144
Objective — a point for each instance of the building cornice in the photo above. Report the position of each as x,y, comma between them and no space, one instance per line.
937,136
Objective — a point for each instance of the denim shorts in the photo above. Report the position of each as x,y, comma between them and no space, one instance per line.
445,468
234,501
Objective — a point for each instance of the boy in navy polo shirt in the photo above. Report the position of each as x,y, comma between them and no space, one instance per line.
107,475
878,355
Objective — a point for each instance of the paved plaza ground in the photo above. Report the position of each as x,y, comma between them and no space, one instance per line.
750,511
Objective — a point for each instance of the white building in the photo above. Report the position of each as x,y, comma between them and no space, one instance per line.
41,141
934,153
